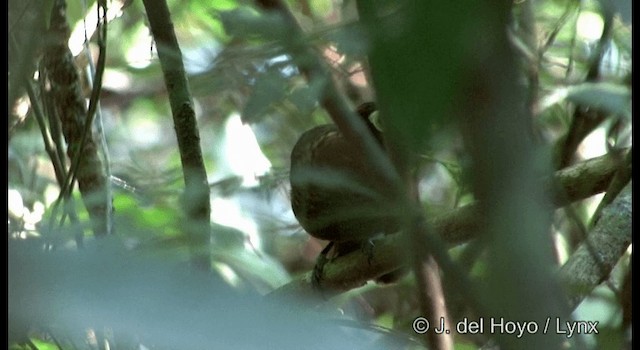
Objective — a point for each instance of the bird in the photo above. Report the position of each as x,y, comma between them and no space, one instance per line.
336,194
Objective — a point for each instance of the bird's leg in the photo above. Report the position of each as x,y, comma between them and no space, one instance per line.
322,260
367,247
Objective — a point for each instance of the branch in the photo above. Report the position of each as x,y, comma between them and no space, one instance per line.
391,171
76,122
586,178
617,183
196,195
594,259
460,225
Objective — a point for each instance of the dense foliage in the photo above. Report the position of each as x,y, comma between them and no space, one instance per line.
473,112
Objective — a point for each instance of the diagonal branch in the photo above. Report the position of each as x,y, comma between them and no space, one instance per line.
461,225
594,259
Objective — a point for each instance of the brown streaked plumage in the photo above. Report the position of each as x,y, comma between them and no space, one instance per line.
335,194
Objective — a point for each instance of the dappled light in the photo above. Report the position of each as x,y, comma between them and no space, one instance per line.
331,174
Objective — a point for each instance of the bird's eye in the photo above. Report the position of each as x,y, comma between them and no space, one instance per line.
374,118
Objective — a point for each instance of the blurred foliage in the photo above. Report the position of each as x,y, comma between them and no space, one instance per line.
240,65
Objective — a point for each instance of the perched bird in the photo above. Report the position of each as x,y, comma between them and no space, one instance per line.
336,194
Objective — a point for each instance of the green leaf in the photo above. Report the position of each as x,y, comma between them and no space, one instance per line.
249,24
306,97
418,58
350,40
320,8
608,97
43,345
269,88
138,221
262,271
224,5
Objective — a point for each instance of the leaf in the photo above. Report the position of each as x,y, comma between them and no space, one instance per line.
263,272
612,98
269,88
44,345
223,4
306,97
622,7
246,23
350,40
135,220
417,61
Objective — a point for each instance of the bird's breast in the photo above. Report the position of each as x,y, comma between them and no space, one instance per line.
335,193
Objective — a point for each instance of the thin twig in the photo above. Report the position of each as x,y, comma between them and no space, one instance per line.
585,119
